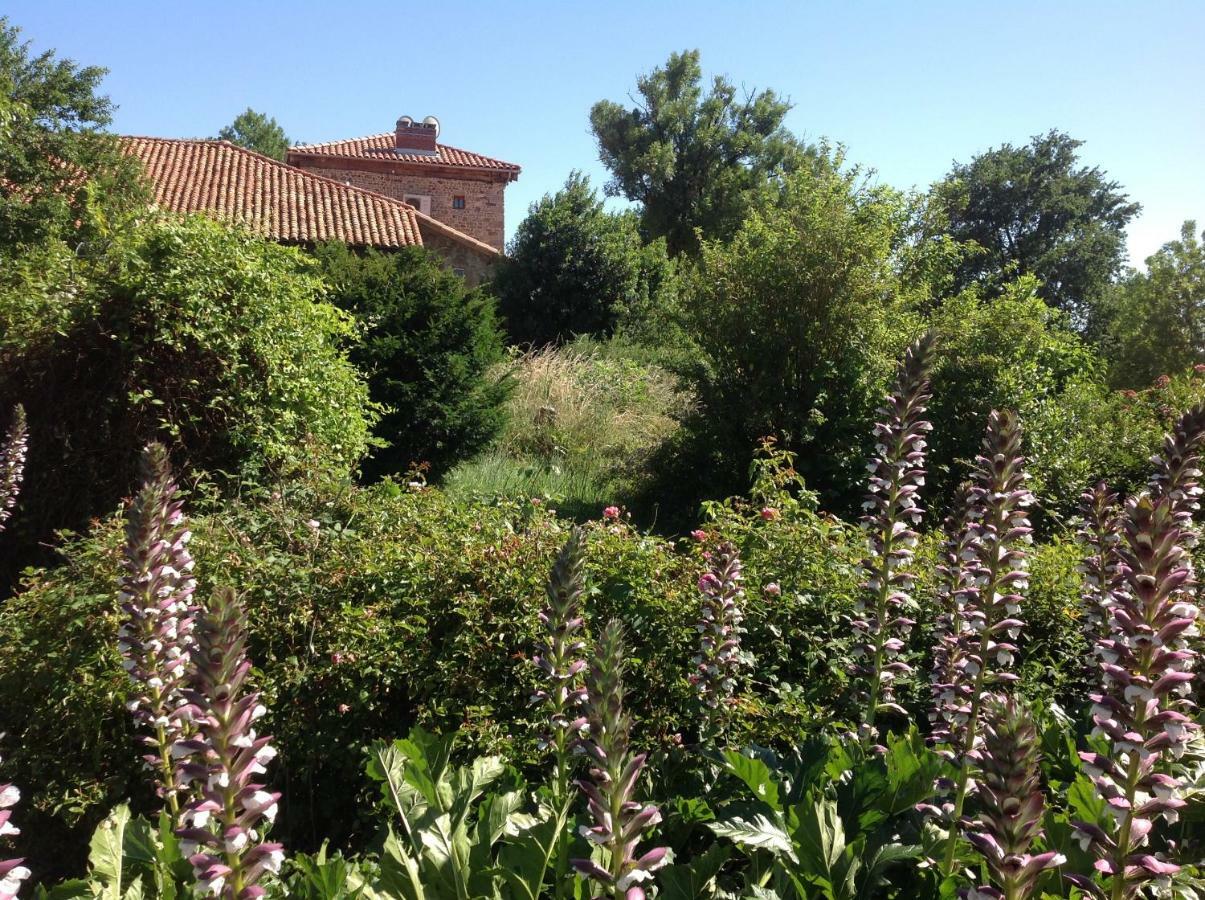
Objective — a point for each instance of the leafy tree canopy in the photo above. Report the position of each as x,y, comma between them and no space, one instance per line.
574,268
1033,211
693,159
427,346
799,320
58,171
257,131
1156,318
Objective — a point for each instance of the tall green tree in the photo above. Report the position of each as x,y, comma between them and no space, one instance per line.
259,132
1033,210
427,346
59,172
574,268
798,322
693,159
1156,318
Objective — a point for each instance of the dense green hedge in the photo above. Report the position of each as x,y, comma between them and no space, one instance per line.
375,609
217,343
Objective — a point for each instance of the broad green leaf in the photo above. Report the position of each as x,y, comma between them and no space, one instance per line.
880,861
756,831
1085,801
525,859
400,875
911,770
756,775
820,839
689,881
107,853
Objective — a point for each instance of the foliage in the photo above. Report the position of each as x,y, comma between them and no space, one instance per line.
427,343
207,339
693,160
1089,432
1008,352
581,425
60,176
1032,211
371,610
799,320
1156,319
259,132
575,269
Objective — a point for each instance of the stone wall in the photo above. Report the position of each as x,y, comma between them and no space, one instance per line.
483,213
474,266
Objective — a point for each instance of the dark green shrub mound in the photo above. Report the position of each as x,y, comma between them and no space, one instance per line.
210,340
575,269
427,344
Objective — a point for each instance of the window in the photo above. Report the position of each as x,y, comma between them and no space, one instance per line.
458,202
421,202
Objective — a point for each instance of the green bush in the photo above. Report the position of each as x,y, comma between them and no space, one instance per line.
184,331
396,608
798,320
575,269
427,344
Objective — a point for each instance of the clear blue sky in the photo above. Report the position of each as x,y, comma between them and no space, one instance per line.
906,86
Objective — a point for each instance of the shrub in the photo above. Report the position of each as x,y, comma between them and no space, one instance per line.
575,269
373,609
1010,352
184,331
799,320
427,343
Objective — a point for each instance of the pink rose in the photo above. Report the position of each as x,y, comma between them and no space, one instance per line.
611,513
699,535
772,589
769,513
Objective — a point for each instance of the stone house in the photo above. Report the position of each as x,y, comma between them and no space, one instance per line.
459,188
294,205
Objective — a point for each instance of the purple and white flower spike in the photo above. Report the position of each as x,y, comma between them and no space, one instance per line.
719,660
893,511
156,594
1100,534
1177,473
223,827
1143,712
12,872
1010,803
559,657
618,819
988,616
12,463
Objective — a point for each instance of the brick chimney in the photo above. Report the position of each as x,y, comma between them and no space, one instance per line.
416,137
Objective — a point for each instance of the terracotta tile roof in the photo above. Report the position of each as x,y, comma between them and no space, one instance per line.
381,146
273,199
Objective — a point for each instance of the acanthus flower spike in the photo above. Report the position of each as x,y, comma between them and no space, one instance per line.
12,871
951,693
1099,533
1143,712
156,594
618,818
559,657
989,611
12,463
222,828
1177,471
1010,803
720,658
893,511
